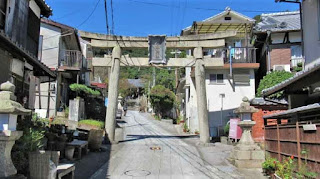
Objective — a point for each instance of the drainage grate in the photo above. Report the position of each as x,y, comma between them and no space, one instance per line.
155,148
137,173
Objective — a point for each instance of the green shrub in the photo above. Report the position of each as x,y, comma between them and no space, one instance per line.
271,80
80,88
226,129
32,140
92,122
162,99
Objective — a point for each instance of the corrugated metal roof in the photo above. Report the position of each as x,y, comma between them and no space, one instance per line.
282,21
288,113
227,11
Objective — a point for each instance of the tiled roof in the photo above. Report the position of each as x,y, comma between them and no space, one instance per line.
288,113
45,8
282,21
262,102
285,83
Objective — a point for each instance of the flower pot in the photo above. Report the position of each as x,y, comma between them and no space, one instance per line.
95,139
69,152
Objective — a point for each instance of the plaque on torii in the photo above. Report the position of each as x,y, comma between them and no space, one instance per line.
157,49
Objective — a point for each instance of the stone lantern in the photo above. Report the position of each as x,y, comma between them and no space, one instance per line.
9,111
246,153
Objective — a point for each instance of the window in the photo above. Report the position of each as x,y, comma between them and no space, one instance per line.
216,79
227,18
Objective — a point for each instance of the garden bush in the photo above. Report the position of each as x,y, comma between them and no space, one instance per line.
271,80
32,140
162,99
80,88
92,122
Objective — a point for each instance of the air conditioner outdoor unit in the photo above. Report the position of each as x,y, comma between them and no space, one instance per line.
281,67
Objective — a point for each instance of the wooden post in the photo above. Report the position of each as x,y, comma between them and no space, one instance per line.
298,143
39,91
48,105
110,124
278,141
201,96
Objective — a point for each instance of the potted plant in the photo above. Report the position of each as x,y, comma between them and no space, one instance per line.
224,138
197,132
69,152
269,166
185,128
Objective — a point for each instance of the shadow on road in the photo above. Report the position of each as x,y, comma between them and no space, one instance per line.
140,137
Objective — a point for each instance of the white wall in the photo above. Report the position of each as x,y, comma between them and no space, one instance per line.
231,100
44,100
50,47
311,32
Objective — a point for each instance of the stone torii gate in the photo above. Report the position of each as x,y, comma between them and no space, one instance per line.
193,42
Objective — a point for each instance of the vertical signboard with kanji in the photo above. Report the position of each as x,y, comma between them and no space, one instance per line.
157,49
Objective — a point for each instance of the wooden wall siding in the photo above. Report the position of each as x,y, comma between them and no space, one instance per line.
17,21
289,140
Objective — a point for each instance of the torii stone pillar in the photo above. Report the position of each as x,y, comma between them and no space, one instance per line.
201,96
9,110
113,89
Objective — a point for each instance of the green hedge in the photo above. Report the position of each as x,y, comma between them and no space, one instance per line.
83,88
92,122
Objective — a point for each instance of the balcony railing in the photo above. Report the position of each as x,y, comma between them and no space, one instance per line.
71,58
238,54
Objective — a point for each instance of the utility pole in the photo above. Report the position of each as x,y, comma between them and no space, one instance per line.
110,124
201,96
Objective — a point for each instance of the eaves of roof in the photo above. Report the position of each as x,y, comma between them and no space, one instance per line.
24,53
286,83
45,8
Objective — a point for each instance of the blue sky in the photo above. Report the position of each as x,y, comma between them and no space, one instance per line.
144,17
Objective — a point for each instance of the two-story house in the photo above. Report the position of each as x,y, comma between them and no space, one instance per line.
226,85
278,36
301,133
60,49
19,39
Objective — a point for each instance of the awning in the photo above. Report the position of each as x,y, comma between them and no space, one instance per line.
209,27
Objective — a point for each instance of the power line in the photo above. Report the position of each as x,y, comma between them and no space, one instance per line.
94,9
112,17
196,8
106,14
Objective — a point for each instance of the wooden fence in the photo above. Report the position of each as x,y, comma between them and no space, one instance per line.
285,140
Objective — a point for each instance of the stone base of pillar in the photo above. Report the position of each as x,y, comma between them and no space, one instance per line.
247,154
7,140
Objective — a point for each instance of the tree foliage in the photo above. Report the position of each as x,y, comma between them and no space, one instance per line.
271,80
162,99
80,88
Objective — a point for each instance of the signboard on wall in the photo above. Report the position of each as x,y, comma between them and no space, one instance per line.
157,49
235,131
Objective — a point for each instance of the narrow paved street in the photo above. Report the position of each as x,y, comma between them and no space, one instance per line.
171,157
